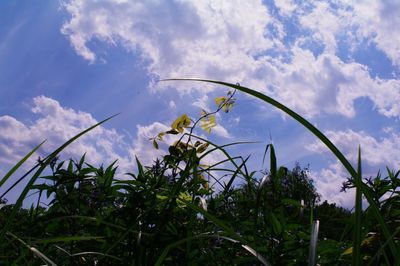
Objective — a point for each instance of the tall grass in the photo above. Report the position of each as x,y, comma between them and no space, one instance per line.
167,213
360,187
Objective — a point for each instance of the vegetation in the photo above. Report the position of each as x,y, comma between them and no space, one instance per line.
179,211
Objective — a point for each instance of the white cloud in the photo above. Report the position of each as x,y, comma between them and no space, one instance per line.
12,133
325,84
143,148
286,7
329,181
326,81
202,103
375,153
354,21
57,124
325,24
235,120
213,39
233,41
378,22
172,105
219,130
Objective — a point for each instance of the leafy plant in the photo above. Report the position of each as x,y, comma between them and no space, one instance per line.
179,211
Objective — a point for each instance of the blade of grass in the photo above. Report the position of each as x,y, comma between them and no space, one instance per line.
33,250
221,148
96,220
357,215
217,147
233,177
382,247
395,250
205,168
65,239
272,170
233,172
18,165
273,165
95,253
211,235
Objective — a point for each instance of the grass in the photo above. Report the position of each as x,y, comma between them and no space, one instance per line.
356,175
167,214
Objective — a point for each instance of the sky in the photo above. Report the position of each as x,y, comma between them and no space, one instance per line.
65,65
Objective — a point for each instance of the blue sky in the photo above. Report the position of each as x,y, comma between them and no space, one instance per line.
66,64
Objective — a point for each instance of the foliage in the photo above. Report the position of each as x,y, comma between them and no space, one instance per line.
179,211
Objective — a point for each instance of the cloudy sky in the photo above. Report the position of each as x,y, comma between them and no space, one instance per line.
64,65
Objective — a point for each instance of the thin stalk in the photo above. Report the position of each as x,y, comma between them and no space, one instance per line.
357,215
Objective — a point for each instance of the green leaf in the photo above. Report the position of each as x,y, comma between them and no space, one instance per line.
161,135
181,122
202,148
172,132
207,122
220,100
277,226
81,161
155,144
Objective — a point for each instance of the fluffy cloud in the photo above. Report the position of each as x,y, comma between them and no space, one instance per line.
325,24
377,21
14,134
286,7
57,124
178,38
143,148
329,181
354,22
324,83
375,153
243,42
